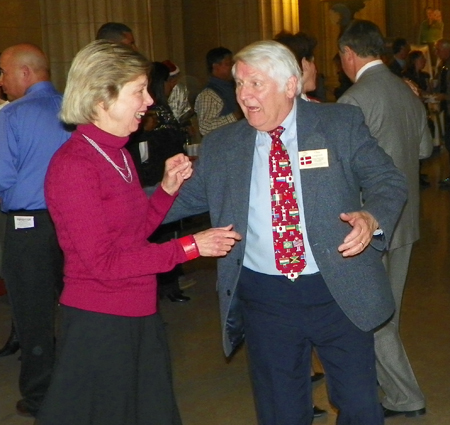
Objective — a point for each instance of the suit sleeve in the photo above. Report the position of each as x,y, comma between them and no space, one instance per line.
192,199
383,186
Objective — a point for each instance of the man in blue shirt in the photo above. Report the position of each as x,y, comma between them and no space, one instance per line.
30,133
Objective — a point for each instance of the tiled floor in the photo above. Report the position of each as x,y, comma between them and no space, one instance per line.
214,391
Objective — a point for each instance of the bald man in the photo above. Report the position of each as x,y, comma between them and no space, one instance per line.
30,133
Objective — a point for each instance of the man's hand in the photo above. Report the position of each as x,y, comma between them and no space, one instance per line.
178,169
364,224
216,242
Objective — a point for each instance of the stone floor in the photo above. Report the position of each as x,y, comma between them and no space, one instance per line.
214,391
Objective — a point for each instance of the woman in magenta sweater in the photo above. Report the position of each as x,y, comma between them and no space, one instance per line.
114,366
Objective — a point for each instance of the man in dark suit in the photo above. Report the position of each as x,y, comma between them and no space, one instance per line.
400,50
329,288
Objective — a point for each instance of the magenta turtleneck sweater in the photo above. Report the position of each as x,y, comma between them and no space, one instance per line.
103,223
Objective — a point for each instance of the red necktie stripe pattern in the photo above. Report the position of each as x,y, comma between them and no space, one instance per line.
286,228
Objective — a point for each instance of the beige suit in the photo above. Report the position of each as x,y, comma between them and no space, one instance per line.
397,119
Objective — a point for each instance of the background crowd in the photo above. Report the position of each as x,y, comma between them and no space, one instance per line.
125,124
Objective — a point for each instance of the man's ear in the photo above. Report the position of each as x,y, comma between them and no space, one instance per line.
349,53
291,87
305,64
347,49
26,71
346,56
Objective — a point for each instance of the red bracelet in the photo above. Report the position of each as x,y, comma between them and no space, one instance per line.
190,247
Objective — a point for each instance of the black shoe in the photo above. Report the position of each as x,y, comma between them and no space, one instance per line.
388,413
424,182
23,410
317,376
318,412
178,297
12,345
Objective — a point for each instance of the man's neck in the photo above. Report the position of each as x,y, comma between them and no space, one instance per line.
366,63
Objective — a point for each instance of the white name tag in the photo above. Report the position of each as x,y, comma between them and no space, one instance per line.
23,222
317,158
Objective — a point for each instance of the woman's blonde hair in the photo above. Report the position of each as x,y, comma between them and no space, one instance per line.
98,73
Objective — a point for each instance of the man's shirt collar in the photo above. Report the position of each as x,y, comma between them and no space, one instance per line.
366,67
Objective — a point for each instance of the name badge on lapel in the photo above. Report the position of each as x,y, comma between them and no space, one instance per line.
317,158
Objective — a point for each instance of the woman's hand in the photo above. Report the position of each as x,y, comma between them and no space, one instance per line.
178,169
216,242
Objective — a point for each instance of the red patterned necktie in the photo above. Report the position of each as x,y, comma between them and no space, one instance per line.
286,228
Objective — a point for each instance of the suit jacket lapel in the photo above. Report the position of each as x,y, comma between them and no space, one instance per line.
309,138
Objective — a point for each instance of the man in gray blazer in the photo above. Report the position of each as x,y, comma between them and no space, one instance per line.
396,118
343,291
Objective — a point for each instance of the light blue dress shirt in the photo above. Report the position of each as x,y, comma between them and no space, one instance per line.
259,253
30,133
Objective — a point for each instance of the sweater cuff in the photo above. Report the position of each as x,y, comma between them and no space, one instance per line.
160,189
190,247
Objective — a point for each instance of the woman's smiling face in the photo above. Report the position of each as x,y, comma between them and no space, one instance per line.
124,115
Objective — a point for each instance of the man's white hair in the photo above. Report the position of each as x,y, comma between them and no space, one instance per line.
273,59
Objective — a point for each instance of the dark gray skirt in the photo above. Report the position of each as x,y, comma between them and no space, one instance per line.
111,370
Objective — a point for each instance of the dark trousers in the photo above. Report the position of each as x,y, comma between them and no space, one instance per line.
32,268
283,320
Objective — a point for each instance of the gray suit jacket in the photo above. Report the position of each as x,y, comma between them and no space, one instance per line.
221,184
397,119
